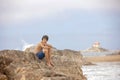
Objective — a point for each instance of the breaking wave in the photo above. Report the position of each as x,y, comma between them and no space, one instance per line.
26,45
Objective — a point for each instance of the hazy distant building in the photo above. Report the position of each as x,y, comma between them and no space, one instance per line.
96,44
95,48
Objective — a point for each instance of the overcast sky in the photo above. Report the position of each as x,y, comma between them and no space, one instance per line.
71,24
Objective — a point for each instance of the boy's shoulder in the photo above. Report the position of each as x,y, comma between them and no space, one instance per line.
39,44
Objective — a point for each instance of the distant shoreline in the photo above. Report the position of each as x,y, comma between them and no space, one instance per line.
109,58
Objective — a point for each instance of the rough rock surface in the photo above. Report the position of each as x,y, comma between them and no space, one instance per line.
86,62
20,65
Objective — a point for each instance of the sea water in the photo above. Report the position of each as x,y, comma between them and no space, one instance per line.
97,53
103,71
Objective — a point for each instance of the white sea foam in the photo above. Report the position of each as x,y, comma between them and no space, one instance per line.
103,71
26,45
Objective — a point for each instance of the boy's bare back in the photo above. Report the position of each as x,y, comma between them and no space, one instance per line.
38,48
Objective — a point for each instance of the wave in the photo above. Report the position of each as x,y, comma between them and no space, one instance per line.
103,71
26,45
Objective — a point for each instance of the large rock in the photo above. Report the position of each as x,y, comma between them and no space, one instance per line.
86,62
3,77
95,49
19,65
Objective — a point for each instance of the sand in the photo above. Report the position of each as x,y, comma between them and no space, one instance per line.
110,58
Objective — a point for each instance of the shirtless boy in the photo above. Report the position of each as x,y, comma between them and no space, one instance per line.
44,50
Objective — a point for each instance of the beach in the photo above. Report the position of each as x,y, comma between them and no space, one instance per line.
109,58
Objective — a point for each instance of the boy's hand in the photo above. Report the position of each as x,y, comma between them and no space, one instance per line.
46,47
50,46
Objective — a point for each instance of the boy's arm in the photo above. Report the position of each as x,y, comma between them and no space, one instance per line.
44,46
49,45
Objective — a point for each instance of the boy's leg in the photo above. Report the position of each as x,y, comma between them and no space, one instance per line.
49,53
47,56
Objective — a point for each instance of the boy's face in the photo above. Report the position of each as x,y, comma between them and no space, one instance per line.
44,40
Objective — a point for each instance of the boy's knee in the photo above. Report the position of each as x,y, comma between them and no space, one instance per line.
45,50
49,48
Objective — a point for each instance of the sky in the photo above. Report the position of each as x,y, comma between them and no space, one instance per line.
70,24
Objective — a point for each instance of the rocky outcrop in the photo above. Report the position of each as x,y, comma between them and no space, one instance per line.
86,62
3,77
20,65
95,49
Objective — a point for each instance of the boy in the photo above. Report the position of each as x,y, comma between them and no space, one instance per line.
44,50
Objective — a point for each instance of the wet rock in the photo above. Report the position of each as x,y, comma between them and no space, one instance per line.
3,77
86,62
20,65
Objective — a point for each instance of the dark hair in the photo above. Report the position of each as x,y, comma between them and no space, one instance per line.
45,37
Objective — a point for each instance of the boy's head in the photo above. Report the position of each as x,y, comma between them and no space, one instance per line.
45,38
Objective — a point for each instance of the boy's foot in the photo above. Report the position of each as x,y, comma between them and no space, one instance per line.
49,65
52,64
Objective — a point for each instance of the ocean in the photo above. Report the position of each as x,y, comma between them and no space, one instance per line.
102,71
97,53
